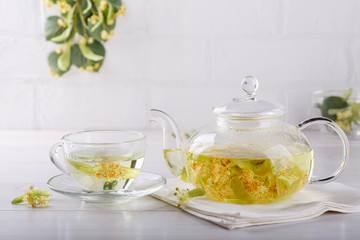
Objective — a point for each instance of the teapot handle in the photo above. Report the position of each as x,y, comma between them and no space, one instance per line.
345,142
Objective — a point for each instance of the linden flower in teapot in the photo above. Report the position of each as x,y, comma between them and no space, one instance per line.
250,155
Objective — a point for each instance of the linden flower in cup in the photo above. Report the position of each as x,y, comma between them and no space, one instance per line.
100,160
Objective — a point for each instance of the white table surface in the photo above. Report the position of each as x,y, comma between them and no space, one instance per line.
24,158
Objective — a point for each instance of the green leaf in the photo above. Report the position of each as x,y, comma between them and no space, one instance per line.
332,102
40,193
98,23
97,48
52,28
64,60
64,36
88,7
116,3
18,200
197,192
53,63
355,108
76,56
81,25
93,51
347,94
110,13
82,167
130,173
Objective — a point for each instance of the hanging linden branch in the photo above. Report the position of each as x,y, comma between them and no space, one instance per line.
81,28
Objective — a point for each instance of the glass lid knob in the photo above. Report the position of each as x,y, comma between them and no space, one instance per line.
250,84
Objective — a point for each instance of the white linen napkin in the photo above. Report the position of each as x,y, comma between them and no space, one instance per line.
310,202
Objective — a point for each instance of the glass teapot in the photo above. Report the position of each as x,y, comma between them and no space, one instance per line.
250,156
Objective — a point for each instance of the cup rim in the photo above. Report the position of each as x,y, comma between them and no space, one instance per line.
141,137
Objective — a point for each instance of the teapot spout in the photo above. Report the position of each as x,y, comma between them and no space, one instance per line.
173,145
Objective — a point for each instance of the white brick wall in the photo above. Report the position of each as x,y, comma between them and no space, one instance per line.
182,56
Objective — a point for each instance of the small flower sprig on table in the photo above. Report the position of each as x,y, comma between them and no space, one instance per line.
341,110
184,195
94,22
33,197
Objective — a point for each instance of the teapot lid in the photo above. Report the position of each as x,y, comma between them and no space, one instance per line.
248,107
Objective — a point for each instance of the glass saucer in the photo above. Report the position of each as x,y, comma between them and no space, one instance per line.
144,184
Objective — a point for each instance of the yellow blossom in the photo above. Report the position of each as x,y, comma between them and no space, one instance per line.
61,23
182,196
56,75
82,69
110,171
111,32
48,3
59,51
344,125
82,41
110,22
105,35
103,5
343,114
97,65
91,40
90,68
93,19
122,11
64,7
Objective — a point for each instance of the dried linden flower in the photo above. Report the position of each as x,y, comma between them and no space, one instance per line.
184,195
33,197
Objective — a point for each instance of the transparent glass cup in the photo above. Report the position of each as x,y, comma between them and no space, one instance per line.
100,160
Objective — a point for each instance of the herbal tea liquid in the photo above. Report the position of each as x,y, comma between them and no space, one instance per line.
239,175
97,172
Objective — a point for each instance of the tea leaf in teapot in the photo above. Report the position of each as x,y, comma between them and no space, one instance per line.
259,167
